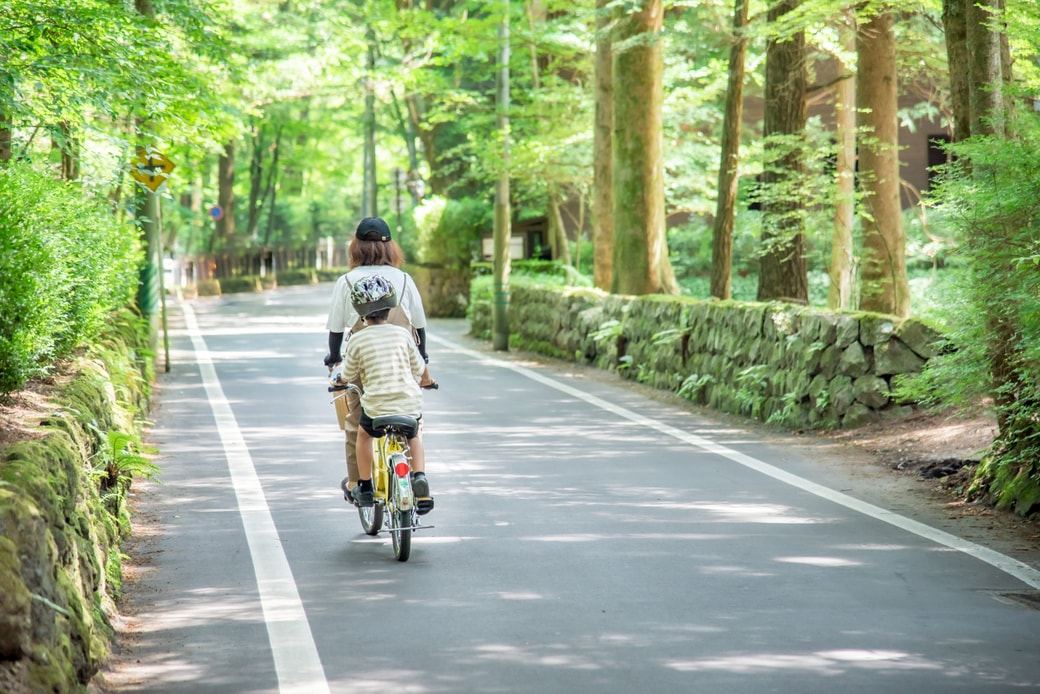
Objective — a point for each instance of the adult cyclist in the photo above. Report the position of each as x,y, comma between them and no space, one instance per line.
372,252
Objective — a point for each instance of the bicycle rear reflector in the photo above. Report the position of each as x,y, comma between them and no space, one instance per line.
401,469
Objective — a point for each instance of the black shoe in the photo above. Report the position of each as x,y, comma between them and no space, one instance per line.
347,496
420,487
364,499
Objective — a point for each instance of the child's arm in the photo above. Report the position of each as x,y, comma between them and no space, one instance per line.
351,363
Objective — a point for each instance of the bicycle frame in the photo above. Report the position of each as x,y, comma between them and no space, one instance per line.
391,478
392,485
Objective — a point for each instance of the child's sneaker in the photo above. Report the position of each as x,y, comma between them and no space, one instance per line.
420,486
364,499
421,489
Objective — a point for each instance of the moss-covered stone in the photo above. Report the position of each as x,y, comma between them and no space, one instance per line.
64,539
15,604
812,358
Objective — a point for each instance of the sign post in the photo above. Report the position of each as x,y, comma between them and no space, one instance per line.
151,169
399,182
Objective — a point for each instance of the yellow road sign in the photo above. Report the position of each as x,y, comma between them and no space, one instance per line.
151,168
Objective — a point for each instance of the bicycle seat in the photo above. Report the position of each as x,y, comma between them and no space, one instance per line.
407,425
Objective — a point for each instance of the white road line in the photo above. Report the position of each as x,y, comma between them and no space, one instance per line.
1009,565
296,658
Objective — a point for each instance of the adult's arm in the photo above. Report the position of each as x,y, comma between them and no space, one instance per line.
335,345
421,332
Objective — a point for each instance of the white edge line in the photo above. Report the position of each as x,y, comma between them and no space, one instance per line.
1009,565
296,658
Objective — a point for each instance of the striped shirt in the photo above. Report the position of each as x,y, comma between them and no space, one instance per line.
385,359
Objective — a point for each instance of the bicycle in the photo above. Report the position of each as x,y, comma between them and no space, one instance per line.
395,502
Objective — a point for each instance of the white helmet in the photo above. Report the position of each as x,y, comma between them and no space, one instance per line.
373,294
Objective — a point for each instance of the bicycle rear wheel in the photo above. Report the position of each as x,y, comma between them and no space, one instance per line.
401,534
371,518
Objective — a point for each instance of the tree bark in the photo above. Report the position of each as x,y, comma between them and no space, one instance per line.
640,252
501,265
225,226
370,200
985,70
5,138
256,179
729,160
954,18
884,286
783,274
557,233
842,269
603,155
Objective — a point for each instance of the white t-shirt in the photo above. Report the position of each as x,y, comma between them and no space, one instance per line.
342,315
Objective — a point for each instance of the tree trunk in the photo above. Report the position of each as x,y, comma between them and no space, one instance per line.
954,18
603,153
271,189
884,287
501,265
994,256
640,252
842,269
985,70
729,160
225,226
782,271
370,200
68,152
256,183
560,246
5,138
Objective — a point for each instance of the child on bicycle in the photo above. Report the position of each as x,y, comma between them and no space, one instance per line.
386,359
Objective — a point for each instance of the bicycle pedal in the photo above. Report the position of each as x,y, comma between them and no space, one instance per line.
424,505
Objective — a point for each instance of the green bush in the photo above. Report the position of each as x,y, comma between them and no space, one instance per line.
991,196
243,283
449,231
67,265
296,276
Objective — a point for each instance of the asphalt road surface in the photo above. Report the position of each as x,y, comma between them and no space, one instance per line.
586,539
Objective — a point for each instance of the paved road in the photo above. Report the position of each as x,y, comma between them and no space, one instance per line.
586,539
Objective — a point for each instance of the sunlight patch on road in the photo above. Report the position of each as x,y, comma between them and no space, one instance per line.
833,662
826,562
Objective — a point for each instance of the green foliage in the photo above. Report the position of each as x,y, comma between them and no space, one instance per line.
693,387
67,266
116,465
752,383
991,196
450,231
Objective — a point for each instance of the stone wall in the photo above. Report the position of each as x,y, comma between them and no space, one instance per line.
777,362
445,291
62,517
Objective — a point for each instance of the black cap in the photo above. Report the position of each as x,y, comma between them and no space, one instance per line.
372,229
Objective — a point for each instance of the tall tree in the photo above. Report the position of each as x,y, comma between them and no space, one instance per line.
842,270
225,227
603,151
783,274
370,199
641,263
5,138
503,206
954,18
722,233
884,286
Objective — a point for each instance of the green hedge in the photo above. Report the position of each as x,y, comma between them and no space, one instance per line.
67,264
